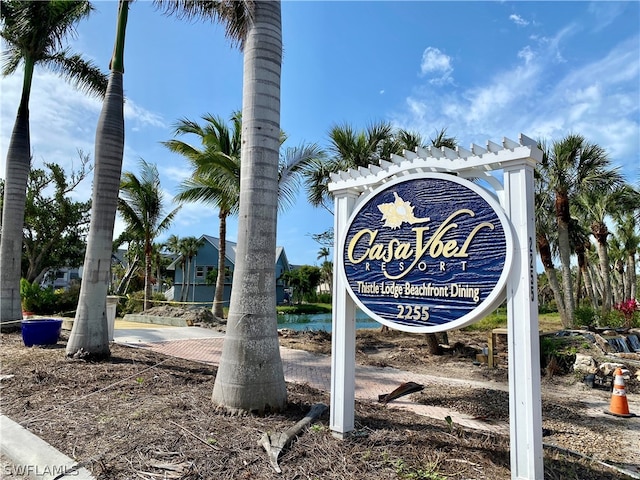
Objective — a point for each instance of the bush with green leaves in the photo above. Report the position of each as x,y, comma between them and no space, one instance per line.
36,299
586,316
47,301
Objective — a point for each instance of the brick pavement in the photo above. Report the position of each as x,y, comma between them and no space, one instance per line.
315,370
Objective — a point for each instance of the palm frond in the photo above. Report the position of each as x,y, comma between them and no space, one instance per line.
235,15
83,74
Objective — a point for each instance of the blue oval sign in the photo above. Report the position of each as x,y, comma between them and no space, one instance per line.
427,253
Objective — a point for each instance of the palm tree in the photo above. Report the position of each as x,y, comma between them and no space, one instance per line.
215,179
250,376
174,245
323,253
216,176
629,238
89,332
571,165
34,33
141,207
349,149
189,249
595,207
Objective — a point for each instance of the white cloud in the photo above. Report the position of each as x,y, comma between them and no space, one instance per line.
527,54
598,99
62,119
437,65
518,20
605,12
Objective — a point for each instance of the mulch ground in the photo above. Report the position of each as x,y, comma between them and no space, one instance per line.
145,415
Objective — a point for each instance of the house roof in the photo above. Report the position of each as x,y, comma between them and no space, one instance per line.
230,252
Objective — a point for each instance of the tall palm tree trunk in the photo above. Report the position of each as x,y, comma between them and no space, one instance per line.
187,280
632,281
544,248
218,298
16,178
564,247
147,278
250,376
601,232
90,334
89,330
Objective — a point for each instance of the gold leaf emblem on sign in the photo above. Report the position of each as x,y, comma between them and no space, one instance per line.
397,212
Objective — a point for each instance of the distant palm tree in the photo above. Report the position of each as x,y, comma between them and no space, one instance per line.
189,249
348,149
141,206
174,245
627,234
324,252
216,176
352,149
34,34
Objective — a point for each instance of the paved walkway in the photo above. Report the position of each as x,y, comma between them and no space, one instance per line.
307,368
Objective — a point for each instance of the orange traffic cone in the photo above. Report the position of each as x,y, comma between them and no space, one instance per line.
619,406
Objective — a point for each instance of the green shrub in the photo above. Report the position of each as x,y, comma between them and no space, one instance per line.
585,316
549,307
67,300
613,319
303,309
324,298
35,299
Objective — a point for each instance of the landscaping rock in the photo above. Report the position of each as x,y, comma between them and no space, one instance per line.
584,364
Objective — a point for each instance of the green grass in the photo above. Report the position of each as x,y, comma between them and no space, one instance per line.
304,308
547,322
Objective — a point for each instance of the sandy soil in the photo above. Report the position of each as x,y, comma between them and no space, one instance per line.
144,415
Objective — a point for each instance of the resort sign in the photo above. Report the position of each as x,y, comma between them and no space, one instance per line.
427,253
422,248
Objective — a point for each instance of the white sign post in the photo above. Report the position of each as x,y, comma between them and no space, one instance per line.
517,161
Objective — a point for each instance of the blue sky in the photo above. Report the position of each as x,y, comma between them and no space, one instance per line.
482,70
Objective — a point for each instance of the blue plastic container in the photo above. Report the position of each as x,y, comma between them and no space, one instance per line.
42,331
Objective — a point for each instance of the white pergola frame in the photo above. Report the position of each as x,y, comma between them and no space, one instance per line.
517,160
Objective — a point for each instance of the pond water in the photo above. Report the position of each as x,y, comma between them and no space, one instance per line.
321,321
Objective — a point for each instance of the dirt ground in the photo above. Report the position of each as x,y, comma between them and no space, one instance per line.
145,415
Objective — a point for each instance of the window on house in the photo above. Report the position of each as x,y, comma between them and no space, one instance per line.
199,272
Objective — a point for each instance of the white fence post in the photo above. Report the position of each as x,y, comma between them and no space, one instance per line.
525,409
343,328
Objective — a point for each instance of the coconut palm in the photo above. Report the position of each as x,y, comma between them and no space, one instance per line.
141,206
34,34
216,176
323,253
571,165
348,149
